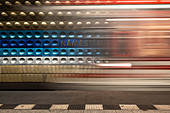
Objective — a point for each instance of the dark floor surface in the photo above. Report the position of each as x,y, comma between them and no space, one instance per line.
85,97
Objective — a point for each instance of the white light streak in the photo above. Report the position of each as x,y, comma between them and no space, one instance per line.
116,65
141,19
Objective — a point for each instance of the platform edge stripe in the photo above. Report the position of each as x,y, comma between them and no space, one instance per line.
147,107
25,106
8,106
42,106
129,107
59,106
162,107
76,107
93,106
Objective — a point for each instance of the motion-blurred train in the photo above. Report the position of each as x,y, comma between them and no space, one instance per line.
64,41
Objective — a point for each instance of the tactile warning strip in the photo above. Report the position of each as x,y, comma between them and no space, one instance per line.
59,106
128,106
83,107
25,106
93,106
162,107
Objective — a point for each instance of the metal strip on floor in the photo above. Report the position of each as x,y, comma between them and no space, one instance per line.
8,106
76,107
111,107
42,106
146,107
